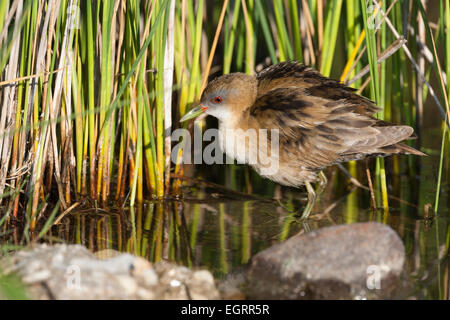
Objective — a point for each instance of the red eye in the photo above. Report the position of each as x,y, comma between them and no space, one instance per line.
217,99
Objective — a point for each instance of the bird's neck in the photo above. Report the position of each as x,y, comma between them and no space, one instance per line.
239,120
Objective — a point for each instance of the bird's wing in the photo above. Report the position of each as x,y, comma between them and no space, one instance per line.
320,130
292,74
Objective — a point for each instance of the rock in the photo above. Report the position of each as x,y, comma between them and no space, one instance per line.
73,272
149,277
201,286
181,283
230,287
356,261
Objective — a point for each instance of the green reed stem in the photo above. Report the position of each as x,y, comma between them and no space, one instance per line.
333,13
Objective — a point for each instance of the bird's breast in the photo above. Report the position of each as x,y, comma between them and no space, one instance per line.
254,146
251,146
236,143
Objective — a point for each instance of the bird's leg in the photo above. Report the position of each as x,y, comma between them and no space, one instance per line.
311,200
312,195
322,183
306,226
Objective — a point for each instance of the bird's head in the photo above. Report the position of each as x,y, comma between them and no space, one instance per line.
226,96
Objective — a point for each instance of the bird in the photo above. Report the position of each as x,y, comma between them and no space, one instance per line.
320,122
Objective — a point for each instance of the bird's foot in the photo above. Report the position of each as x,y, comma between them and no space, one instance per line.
300,219
303,215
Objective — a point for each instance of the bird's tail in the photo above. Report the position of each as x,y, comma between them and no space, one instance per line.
401,148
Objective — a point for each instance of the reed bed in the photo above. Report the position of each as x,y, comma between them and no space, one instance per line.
91,90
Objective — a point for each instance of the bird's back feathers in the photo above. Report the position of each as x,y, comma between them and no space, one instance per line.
321,121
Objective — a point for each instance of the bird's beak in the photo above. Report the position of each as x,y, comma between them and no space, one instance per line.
194,112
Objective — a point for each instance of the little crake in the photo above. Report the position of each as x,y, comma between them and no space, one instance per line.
320,121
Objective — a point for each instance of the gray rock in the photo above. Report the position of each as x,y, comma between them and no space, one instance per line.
73,272
357,261
230,286
177,283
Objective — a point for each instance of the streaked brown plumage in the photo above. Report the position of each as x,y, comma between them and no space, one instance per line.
321,122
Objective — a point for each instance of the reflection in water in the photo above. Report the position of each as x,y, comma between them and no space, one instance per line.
220,235
223,234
